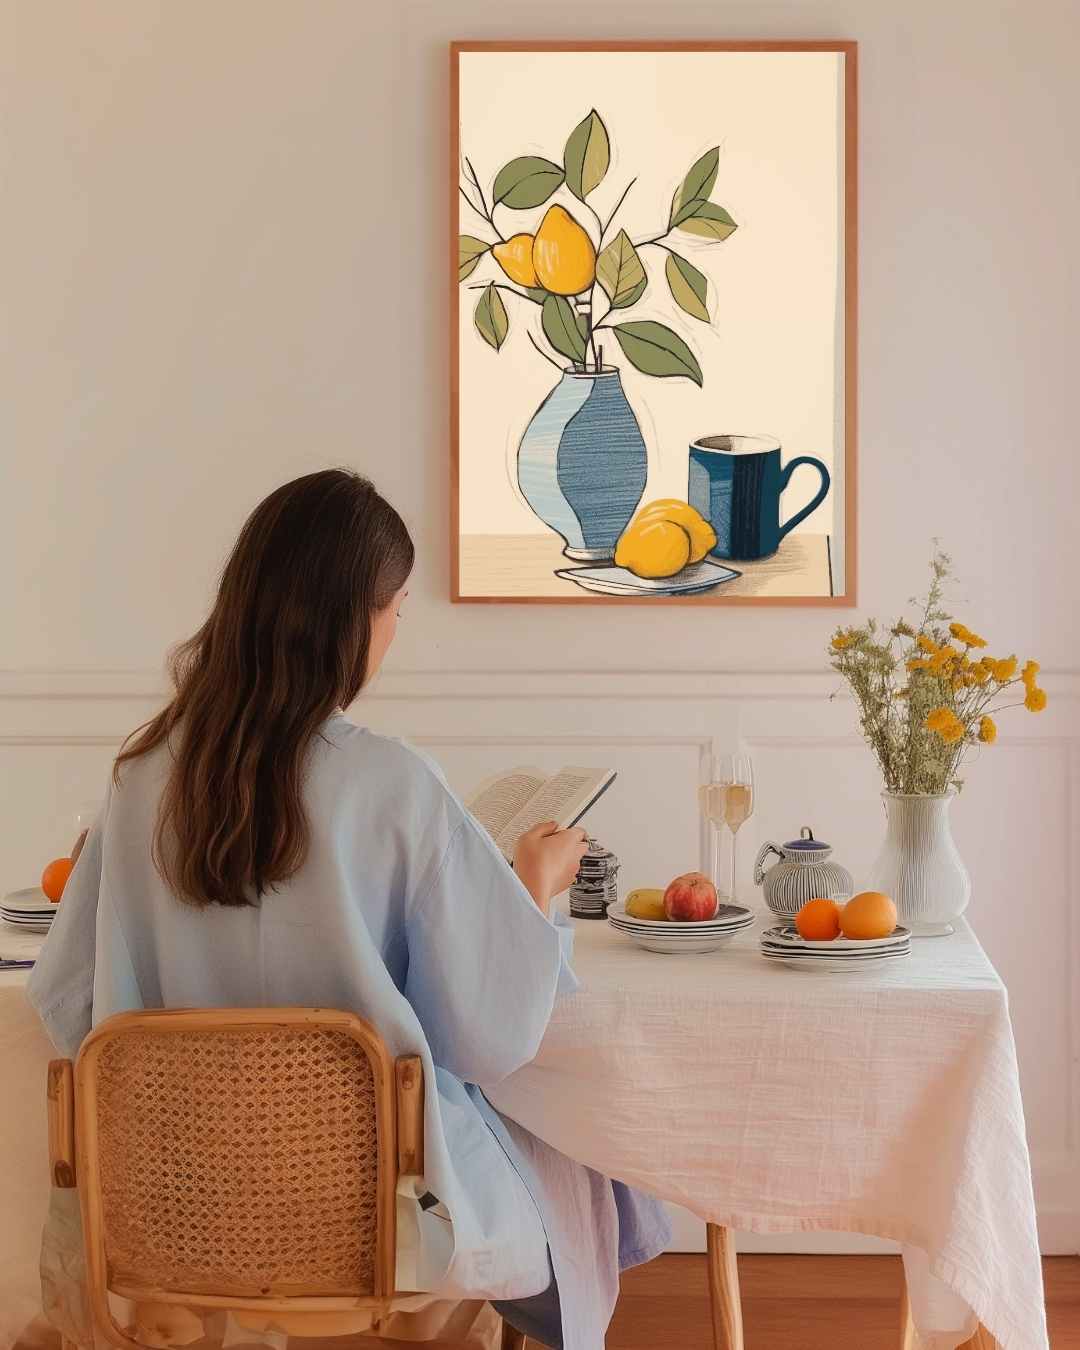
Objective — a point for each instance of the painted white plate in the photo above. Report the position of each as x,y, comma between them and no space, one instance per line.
724,917
611,580
788,936
32,900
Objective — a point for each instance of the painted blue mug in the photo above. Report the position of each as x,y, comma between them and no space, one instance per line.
736,482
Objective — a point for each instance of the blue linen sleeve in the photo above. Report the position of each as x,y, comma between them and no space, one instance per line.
485,965
61,985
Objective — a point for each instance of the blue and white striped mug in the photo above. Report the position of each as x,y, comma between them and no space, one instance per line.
736,482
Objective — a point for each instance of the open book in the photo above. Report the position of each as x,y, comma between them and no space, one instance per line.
517,799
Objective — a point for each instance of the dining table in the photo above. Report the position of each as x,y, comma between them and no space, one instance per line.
880,1100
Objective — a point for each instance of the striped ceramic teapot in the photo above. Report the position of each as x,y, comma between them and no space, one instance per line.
803,873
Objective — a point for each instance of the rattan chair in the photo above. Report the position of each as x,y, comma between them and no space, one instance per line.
240,1159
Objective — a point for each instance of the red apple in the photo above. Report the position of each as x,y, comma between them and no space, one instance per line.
690,898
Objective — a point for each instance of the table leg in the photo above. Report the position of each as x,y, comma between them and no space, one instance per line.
909,1337
724,1288
512,1339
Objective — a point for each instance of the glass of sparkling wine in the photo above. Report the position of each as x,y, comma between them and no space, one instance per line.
711,800
736,772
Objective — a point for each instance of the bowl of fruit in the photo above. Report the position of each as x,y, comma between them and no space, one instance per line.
686,916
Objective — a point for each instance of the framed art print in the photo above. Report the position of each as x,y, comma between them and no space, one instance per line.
653,322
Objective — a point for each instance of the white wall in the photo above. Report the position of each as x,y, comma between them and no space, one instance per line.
221,264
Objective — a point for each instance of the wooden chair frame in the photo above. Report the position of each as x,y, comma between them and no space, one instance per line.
72,1103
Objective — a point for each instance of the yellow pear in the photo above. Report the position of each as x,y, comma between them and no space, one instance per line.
653,548
515,259
563,254
702,535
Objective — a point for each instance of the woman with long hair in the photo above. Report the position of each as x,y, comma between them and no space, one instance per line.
255,848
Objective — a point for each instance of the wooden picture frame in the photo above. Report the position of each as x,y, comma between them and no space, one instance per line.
759,581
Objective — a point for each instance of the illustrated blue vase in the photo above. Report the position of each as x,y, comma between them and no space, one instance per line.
582,463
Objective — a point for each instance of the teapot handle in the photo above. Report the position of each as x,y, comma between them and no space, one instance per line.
759,871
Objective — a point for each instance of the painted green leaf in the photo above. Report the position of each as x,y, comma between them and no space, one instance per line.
689,287
560,326
582,321
695,187
525,182
537,293
469,252
620,273
490,317
709,222
654,349
587,156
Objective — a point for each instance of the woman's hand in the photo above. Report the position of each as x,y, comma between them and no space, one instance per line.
547,859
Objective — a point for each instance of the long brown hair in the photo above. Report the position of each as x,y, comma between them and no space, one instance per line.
285,644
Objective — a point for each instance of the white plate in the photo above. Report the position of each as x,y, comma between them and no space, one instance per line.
677,946
725,916
788,936
32,900
611,580
682,939
675,927
27,927
834,964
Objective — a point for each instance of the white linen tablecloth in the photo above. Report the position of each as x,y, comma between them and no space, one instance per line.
883,1101
771,1100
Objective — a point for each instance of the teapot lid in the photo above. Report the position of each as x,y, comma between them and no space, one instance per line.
806,843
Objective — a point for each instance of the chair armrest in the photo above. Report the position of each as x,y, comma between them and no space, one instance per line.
61,1114
409,1075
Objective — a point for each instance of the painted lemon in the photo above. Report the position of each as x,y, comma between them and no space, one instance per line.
646,903
515,259
653,548
563,254
702,535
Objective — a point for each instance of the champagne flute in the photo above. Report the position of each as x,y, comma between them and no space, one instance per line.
711,800
737,773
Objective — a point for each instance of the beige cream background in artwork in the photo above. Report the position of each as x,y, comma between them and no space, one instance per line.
772,357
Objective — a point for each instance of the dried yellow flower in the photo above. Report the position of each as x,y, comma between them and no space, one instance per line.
1035,701
987,731
917,663
841,640
964,634
946,723
1031,669
928,645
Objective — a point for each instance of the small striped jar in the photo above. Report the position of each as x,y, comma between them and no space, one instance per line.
803,873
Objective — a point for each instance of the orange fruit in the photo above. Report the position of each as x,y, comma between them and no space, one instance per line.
818,920
54,878
868,915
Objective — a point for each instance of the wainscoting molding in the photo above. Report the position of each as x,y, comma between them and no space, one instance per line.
1017,822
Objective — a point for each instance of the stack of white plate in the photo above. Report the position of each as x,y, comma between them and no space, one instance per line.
783,943
671,936
30,910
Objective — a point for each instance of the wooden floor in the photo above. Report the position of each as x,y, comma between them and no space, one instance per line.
800,1303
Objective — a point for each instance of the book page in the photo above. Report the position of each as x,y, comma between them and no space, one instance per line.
563,798
499,799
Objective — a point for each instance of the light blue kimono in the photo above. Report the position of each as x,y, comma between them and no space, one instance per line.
406,913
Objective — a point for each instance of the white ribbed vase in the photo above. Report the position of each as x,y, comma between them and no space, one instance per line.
919,865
